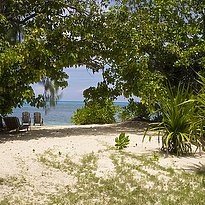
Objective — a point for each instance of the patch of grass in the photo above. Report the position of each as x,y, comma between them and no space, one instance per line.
16,200
136,179
13,181
51,159
4,202
14,184
133,179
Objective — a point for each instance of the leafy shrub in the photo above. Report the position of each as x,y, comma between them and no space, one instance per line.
122,141
99,108
95,113
134,110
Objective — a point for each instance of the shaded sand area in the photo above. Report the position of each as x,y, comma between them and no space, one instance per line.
25,172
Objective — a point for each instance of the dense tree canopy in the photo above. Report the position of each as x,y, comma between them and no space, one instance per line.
40,38
138,44
154,41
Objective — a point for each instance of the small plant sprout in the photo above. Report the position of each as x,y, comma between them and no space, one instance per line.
122,141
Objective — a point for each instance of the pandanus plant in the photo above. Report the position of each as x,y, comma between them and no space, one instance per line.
199,117
177,110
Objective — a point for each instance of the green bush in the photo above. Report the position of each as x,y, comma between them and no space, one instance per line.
122,141
95,113
134,110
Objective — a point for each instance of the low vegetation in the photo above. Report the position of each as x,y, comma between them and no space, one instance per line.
122,141
176,124
95,113
132,179
182,121
99,107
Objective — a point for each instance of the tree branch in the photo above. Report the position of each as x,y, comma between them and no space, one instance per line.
27,18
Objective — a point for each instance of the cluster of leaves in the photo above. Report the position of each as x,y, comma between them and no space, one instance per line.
95,113
38,40
134,110
153,41
99,108
182,120
177,121
137,44
198,118
145,43
122,141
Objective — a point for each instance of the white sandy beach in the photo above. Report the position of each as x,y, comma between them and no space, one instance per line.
19,153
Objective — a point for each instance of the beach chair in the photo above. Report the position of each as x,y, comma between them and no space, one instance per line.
37,118
13,123
26,119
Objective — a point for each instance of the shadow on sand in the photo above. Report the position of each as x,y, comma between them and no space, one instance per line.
127,127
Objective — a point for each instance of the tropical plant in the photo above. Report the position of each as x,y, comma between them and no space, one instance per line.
56,35
95,113
154,41
134,110
142,43
122,141
177,124
99,108
199,117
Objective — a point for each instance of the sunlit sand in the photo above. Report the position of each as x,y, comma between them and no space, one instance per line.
19,151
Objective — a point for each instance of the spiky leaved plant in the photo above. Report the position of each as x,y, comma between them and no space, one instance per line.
176,127
199,117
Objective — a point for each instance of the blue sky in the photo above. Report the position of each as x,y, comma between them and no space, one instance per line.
79,80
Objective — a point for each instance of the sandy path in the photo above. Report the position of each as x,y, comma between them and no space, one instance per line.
19,153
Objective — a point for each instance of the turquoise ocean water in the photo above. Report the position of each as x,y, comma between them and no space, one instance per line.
59,115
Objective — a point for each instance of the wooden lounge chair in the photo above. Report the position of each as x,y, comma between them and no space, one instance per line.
37,118
26,119
13,123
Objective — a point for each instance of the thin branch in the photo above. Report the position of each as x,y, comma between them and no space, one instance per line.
27,18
